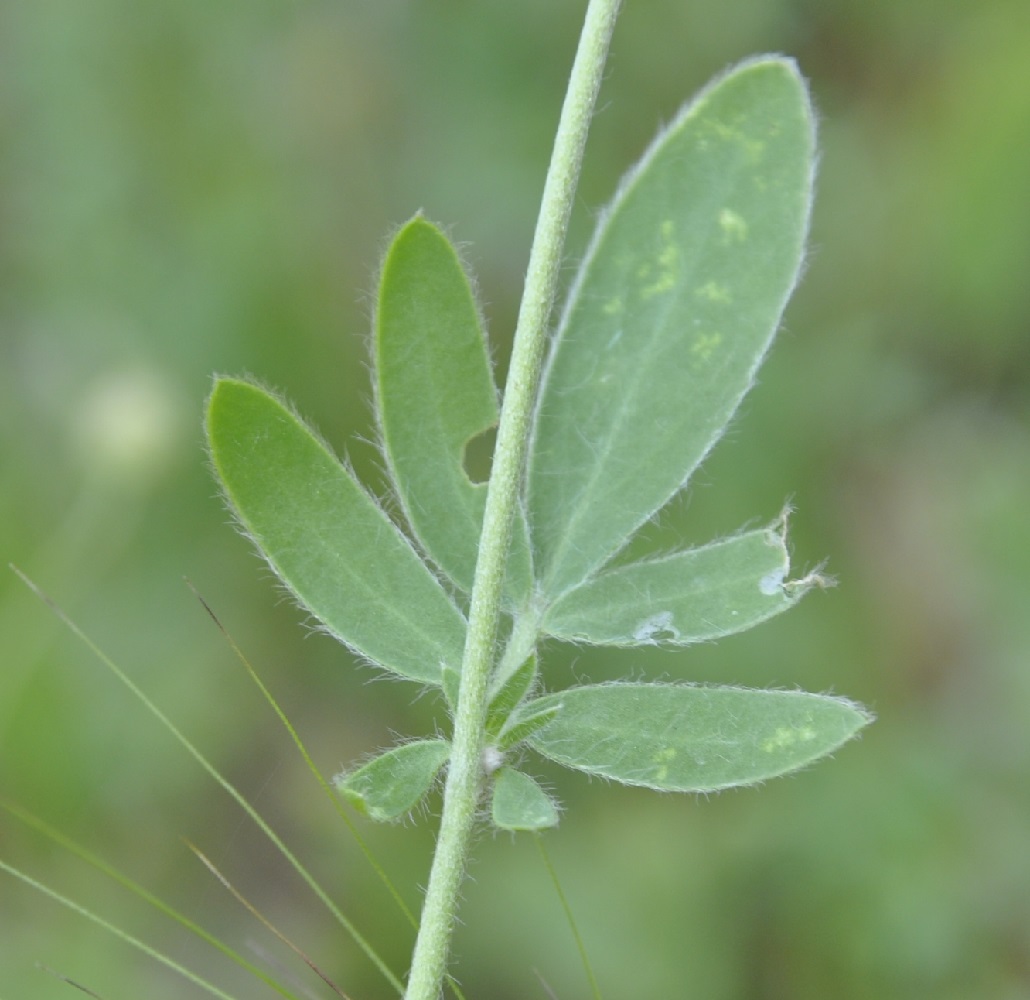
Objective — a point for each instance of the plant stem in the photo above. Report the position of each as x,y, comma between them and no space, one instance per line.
461,792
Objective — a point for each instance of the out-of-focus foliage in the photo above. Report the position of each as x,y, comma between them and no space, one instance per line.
190,187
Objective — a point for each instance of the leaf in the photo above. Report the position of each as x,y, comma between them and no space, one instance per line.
519,803
691,596
674,306
327,539
435,392
522,724
450,681
682,738
395,782
511,692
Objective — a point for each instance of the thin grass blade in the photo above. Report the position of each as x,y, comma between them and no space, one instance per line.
264,921
118,932
35,823
309,762
291,859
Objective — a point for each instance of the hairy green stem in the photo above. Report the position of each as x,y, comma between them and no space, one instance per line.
464,776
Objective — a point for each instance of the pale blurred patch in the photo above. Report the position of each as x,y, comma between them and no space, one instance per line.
129,425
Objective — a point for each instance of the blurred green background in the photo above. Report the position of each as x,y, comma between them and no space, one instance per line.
192,187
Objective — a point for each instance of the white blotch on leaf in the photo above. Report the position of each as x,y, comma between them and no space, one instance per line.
656,627
772,583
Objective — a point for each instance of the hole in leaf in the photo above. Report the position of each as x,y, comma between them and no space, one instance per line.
479,453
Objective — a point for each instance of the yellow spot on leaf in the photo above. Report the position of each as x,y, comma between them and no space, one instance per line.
734,226
663,283
787,736
728,133
612,307
704,345
661,758
714,292
667,261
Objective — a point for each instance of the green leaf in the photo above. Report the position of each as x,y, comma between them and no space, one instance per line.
681,738
522,724
674,306
327,539
450,681
690,596
511,693
519,803
435,393
395,782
